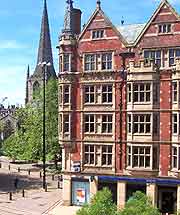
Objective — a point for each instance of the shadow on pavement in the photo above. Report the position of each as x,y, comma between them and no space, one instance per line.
9,182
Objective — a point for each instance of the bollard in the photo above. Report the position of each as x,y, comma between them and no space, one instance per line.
29,172
40,174
52,177
19,170
10,196
23,193
9,167
45,187
0,165
58,184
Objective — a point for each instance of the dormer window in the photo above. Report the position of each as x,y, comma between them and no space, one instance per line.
97,34
164,28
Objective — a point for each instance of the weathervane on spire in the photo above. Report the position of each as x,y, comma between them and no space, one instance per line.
98,2
70,2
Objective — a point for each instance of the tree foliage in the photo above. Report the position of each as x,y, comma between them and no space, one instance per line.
139,203
100,204
26,142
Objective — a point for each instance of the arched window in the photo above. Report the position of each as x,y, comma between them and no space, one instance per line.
36,87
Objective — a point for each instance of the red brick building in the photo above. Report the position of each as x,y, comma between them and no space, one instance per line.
119,121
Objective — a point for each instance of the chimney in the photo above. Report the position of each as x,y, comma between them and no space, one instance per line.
76,21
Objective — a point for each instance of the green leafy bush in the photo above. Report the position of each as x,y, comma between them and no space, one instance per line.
139,204
101,204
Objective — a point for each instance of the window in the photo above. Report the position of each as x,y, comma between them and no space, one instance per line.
173,53
142,124
89,123
175,123
175,157
164,28
66,94
89,154
107,94
106,61
66,124
129,92
89,94
90,62
98,155
106,123
139,156
66,62
174,92
141,92
60,124
129,123
107,155
153,55
98,34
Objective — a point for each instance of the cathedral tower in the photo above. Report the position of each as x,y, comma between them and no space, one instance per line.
44,55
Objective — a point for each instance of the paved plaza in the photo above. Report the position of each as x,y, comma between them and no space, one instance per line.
35,201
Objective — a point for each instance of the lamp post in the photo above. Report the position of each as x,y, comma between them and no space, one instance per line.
44,69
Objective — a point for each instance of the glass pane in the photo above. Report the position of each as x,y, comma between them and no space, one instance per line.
135,161
147,161
141,161
109,159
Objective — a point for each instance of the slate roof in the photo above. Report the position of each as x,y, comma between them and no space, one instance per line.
130,32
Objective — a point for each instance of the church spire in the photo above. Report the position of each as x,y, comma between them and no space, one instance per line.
68,19
98,4
45,50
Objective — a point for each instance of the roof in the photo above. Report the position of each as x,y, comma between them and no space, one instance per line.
130,32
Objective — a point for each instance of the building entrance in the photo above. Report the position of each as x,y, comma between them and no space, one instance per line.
167,199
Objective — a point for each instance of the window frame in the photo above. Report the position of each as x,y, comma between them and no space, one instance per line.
155,55
108,123
175,158
165,28
89,122
130,156
98,34
141,92
107,94
89,94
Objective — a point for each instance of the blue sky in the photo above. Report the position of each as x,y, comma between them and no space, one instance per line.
20,29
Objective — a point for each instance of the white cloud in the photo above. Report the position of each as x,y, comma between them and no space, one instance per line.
11,44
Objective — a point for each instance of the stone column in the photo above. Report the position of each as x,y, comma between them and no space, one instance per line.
66,192
151,191
178,197
93,187
121,194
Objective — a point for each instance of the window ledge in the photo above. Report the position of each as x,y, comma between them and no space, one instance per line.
142,103
141,169
97,166
168,33
140,134
99,134
97,104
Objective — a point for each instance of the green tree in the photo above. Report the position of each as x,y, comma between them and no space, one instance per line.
139,203
26,142
101,204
